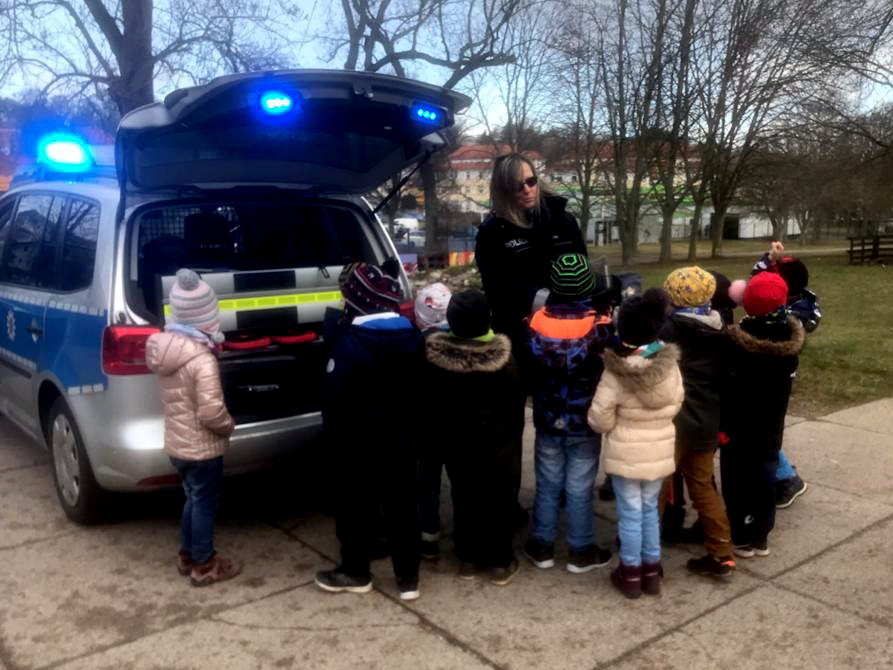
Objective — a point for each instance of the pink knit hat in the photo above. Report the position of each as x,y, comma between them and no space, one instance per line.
194,303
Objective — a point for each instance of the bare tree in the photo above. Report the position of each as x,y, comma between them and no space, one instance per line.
80,48
578,109
456,38
631,40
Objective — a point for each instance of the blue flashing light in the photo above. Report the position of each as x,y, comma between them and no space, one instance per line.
427,114
276,103
64,153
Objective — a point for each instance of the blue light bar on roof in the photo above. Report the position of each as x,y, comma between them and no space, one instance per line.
428,114
277,103
64,153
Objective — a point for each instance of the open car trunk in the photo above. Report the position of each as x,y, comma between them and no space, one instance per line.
274,264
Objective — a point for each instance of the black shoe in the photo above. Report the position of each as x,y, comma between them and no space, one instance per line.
336,581
588,559
503,575
467,571
409,588
711,566
430,549
606,490
542,555
788,490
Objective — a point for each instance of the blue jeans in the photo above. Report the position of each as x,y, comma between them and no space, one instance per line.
567,462
638,524
201,484
785,469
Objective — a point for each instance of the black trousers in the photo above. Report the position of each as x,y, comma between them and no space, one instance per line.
482,485
748,487
378,478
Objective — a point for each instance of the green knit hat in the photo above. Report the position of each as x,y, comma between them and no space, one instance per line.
570,277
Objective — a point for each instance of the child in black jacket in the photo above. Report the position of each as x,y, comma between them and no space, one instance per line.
475,385
763,359
370,376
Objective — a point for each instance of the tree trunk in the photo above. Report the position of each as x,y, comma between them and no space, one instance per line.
719,222
666,236
134,87
429,186
695,231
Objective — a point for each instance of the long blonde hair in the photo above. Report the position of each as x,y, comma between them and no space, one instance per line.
504,188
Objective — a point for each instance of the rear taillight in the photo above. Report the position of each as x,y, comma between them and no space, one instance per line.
124,349
407,309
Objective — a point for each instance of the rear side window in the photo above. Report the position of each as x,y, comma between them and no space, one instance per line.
79,245
30,253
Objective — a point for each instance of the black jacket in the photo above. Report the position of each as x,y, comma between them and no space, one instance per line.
763,360
514,262
371,385
474,394
705,347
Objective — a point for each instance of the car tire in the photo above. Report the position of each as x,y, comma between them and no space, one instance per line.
78,492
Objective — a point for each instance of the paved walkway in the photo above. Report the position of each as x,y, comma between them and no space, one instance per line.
109,596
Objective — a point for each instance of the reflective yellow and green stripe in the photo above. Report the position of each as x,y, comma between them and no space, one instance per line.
267,301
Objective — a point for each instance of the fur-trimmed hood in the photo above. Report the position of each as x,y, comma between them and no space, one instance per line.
790,347
646,377
459,355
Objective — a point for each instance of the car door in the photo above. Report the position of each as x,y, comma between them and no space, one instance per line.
27,275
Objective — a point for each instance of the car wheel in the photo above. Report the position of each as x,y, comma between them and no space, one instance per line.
76,487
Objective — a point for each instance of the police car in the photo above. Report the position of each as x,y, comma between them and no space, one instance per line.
253,180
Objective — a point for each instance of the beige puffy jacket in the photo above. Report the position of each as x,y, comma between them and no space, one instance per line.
634,406
197,424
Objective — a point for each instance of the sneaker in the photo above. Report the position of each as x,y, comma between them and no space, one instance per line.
467,571
744,550
712,566
217,569
409,588
337,581
587,559
606,490
788,490
430,549
761,548
184,563
504,574
542,555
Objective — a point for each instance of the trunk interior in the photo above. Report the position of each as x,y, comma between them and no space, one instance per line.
274,265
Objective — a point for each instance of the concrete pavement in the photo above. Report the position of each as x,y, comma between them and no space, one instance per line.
109,596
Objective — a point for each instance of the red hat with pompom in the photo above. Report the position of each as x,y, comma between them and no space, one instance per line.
765,293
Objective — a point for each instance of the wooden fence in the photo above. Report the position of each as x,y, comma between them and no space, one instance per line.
874,248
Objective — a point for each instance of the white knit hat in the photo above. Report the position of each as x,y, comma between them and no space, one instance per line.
194,303
431,305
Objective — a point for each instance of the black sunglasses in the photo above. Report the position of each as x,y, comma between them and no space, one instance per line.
530,182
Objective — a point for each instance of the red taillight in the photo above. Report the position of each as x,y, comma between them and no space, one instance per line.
407,309
124,349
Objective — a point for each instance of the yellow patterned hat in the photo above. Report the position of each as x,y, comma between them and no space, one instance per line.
690,287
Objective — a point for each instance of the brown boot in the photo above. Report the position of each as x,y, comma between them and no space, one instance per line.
215,570
651,576
184,563
628,580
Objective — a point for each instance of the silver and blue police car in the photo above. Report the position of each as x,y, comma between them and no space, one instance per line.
253,180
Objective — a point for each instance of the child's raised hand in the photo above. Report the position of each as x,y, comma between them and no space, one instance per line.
776,249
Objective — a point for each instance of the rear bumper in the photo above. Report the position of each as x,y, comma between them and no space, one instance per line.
126,449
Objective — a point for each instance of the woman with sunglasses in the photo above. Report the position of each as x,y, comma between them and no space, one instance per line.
526,230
